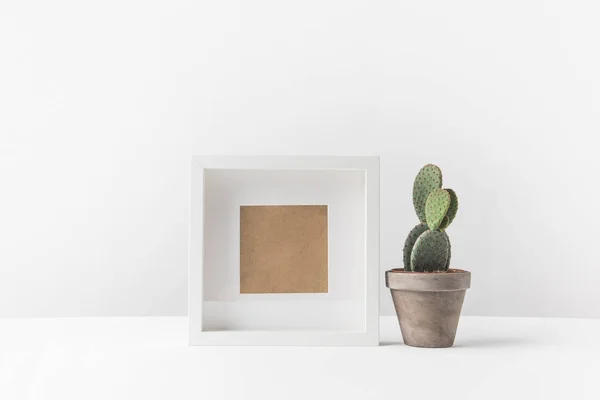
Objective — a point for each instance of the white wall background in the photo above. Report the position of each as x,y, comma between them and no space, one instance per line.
101,104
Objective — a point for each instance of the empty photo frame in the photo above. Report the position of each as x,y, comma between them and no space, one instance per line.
284,250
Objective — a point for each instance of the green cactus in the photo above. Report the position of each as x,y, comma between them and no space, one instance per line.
427,247
428,179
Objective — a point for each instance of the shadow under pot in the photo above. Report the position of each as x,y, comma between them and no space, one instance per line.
428,304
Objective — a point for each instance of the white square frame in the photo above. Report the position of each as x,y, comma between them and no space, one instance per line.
368,336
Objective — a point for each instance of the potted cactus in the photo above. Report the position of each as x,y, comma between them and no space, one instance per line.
428,294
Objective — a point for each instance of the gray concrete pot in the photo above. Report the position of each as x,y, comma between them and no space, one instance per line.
428,304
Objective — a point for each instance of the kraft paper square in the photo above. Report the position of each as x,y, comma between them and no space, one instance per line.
283,249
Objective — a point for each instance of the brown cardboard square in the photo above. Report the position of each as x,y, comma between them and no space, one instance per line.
283,249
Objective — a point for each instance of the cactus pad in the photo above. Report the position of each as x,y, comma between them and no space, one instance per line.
436,208
410,242
430,252
452,209
449,253
428,179
444,224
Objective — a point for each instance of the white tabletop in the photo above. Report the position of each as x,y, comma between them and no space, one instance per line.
148,358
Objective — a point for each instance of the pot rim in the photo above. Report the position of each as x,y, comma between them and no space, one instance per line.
398,279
